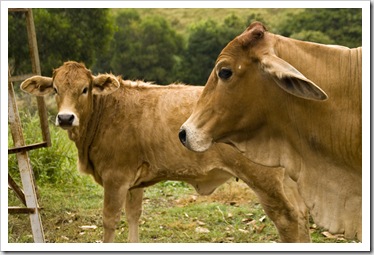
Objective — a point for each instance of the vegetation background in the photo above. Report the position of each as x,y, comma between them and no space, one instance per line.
164,46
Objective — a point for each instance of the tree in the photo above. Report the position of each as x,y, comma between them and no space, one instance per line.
120,43
312,36
231,27
205,42
256,17
201,52
18,51
342,26
145,48
62,34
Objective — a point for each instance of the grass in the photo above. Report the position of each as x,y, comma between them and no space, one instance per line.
187,217
172,211
171,214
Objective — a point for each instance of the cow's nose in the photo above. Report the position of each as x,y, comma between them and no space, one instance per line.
65,119
182,136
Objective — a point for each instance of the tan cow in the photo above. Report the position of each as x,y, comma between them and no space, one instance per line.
126,135
292,104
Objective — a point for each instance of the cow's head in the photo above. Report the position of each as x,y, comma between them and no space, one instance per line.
235,100
73,85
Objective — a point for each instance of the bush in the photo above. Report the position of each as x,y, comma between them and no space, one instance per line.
312,36
205,42
53,165
145,48
341,25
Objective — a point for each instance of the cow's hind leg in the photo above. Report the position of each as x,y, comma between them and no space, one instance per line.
133,208
114,197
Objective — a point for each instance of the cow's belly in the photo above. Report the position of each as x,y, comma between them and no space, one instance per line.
203,178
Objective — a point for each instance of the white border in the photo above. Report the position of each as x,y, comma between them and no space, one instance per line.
364,246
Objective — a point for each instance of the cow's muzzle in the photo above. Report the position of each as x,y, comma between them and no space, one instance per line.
193,139
67,120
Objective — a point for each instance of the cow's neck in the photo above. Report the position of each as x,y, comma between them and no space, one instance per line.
84,135
327,66
331,126
303,130
268,146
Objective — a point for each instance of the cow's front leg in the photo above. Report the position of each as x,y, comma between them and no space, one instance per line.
271,187
114,197
133,208
282,213
293,195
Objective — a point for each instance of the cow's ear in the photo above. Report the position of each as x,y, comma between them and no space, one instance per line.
38,85
290,79
104,84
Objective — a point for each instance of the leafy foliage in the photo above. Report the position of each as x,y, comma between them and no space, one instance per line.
339,26
205,42
158,44
201,52
312,36
62,34
55,164
17,40
145,48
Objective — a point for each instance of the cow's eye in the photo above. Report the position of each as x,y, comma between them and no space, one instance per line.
85,90
55,89
225,73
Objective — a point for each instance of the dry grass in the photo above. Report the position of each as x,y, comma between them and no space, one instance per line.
232,193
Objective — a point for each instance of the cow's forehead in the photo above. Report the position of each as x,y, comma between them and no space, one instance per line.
235,50
232,50
72,76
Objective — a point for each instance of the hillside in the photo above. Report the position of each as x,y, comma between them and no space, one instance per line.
182,18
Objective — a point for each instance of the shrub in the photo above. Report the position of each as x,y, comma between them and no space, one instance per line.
55,164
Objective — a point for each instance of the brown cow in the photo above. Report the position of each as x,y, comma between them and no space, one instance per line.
262,98
125,133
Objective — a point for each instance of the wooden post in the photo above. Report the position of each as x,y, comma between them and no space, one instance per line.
28,195
24,165
35,63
